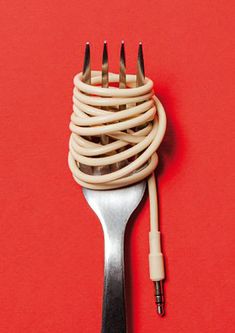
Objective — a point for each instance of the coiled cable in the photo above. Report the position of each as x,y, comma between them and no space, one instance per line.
134,121
95,113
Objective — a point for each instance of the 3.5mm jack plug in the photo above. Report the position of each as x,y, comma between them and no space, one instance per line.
159,297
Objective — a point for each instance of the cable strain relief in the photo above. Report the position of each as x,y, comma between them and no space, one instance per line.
156,262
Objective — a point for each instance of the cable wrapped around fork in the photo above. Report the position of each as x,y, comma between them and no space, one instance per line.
115,135
135,133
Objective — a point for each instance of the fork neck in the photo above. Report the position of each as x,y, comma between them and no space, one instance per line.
114,316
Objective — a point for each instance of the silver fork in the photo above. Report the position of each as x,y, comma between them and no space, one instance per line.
114,208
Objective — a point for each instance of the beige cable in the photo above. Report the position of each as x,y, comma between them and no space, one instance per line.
88,119
135,132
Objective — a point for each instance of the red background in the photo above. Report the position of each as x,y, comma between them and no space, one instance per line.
51,243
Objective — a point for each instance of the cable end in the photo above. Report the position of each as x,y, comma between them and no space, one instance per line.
159,298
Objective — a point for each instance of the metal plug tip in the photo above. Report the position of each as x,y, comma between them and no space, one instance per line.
160,310
159,298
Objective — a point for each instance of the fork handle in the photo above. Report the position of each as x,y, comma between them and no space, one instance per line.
114,313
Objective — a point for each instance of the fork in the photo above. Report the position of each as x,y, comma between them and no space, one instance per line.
114,208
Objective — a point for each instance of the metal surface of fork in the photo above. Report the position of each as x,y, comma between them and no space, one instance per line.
113,208
86,78
105,84
140,76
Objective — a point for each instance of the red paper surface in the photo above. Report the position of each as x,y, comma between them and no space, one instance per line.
51,244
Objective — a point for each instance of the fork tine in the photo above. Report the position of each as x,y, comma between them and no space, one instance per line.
86,78
122,85
140,76
122,69
86,74
105,67
105,84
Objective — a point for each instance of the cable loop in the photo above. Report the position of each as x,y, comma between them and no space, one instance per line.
135,133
